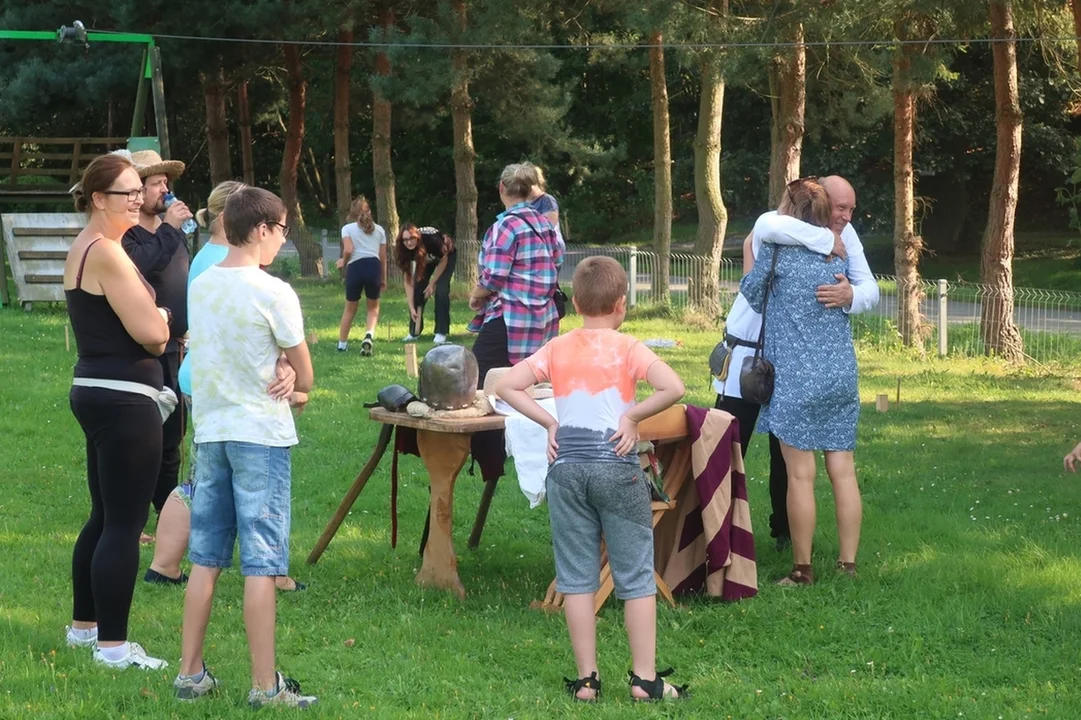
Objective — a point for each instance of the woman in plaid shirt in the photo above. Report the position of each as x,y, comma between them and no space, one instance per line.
519,269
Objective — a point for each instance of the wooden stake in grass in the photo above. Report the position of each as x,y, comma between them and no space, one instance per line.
898,392
411,360
313,339
67,339
882,402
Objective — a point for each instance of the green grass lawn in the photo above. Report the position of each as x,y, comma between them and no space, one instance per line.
967,605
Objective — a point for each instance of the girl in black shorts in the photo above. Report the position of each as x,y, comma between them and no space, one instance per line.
364,257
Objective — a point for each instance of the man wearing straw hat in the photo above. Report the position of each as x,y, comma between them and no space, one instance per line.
159,250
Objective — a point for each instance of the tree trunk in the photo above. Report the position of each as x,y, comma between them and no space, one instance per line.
217,128
1076,6
243,110
1000,334
907,245
343,176
386,200
318,189
309,249
461,108
705,285
788,100
662,172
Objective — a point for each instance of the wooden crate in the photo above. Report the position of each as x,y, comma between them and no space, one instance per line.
43,170
36,245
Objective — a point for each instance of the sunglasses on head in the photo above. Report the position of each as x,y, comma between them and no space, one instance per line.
796,183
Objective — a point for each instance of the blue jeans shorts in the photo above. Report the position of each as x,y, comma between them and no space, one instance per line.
242,490
587,500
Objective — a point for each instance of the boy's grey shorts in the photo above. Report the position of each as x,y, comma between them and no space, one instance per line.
586,499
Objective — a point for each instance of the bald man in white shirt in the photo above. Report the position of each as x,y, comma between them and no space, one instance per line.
856,292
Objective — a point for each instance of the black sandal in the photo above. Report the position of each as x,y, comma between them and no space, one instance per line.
592,682
655,687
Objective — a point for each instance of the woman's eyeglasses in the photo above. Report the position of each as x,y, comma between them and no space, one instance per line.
131,195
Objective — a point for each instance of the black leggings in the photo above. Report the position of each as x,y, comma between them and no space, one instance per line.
123,457
172,435
747,414
442,298
490,349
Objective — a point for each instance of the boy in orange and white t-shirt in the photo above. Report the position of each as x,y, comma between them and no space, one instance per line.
595,484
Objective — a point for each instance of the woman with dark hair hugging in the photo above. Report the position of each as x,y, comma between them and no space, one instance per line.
815,403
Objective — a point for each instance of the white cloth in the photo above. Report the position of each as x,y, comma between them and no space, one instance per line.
165,398
745,323
527,443
240,319
365,245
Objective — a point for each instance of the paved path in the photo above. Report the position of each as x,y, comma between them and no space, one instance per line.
1032,316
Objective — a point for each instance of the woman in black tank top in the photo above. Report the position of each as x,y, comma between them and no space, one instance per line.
118,333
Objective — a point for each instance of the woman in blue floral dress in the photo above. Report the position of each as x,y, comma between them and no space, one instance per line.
815,403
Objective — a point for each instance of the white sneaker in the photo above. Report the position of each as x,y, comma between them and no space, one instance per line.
77,641
188,689
286,692
410,338
439,338
136,657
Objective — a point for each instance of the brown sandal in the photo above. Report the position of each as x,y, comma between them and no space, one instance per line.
800,575
848,569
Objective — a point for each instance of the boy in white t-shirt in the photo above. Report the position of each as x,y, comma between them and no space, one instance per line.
242,319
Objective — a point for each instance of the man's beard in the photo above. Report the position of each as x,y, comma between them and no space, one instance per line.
155,210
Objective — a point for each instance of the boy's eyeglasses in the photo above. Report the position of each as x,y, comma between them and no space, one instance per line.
284,228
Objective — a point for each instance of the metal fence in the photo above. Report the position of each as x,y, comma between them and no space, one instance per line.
1049,321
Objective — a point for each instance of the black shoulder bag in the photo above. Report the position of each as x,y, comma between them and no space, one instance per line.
558,296
756,375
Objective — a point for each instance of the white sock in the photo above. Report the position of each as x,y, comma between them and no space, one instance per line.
342,345
197,677
84,633
115,654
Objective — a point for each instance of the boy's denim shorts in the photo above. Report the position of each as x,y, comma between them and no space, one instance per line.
242,489
587,500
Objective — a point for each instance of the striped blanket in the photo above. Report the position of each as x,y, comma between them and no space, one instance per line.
706,543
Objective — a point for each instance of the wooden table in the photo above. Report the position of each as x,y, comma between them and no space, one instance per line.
444,446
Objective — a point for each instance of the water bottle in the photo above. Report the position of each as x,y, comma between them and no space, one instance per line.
188,225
